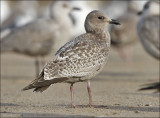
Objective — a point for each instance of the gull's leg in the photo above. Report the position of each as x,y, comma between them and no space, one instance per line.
125,55
71,89
37,67
42,61
89,93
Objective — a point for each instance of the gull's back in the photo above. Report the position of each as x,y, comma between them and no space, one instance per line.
148,30
35,38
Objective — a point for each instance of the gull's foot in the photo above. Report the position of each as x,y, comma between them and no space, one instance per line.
90,105
73,106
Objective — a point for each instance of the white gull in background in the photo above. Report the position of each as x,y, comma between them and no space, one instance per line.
5,11
79,18
21,13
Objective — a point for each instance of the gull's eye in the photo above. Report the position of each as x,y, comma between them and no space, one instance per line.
101,17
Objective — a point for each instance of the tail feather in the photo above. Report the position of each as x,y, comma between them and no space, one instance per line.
30,86
38,84
40,89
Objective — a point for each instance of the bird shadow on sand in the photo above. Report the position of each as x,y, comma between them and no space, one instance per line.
117,74
9,104
127,108
153,94
77,106
42,115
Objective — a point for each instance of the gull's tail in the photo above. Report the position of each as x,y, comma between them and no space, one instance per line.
151,86
39,84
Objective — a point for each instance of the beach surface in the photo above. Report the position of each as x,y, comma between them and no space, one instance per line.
114,91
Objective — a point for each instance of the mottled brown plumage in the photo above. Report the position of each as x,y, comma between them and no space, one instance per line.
80,59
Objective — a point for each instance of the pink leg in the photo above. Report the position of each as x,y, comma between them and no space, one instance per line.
124,54
37,67
42,61
89,93
71,89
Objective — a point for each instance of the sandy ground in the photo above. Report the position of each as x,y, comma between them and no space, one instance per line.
115,90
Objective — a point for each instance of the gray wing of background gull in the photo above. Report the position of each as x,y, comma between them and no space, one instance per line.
148,30
35,38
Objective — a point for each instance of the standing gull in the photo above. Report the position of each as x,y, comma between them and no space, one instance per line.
123,37
148,32
148,28
80,59
37,38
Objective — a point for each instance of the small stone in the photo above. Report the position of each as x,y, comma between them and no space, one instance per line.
117,104
4,112
136,111
138,104
147,105
114,113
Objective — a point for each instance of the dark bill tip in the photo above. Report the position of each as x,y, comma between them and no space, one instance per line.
114,22
76,8
139,13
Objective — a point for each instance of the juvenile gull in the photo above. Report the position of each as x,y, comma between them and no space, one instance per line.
148,32
80,59
37,38
123,37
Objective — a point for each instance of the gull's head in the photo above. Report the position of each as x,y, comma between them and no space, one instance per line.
151,8
97,21
61,8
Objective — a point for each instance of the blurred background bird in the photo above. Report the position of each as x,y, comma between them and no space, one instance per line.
20,13
124,37
148,33
5,11
41,36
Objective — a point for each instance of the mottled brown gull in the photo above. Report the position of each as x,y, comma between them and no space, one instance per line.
148,31
37,38
80,59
